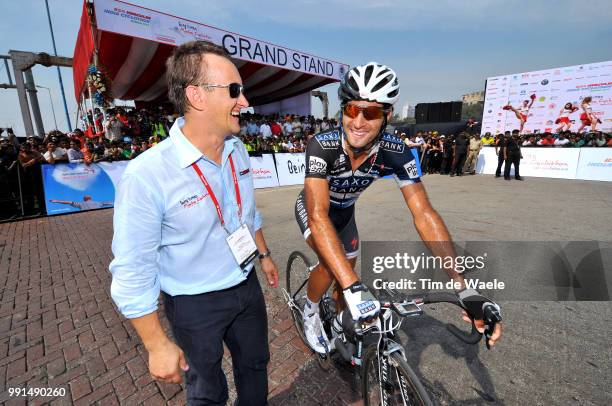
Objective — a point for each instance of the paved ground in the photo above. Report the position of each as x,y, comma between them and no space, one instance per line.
58,327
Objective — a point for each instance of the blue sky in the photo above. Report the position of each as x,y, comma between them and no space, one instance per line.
439,49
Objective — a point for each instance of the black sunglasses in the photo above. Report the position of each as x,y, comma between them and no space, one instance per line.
234,88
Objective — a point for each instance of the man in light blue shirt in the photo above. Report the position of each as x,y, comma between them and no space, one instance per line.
178,207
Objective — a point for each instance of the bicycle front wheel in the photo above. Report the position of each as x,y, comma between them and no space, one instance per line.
389,380
298,270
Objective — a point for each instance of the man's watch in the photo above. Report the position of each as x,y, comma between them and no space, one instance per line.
264,255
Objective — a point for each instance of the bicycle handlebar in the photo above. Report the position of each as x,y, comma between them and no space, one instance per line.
473,337
491,315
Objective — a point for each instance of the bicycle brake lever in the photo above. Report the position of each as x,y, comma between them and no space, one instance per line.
491,317
487,334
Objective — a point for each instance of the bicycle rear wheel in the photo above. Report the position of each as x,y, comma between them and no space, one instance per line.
298,269
402,386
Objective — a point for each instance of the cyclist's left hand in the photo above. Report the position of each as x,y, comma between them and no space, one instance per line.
480,325
268,267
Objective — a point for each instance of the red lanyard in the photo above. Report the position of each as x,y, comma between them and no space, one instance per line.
212,194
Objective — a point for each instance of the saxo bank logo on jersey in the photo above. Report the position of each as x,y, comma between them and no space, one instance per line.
317,165
328,140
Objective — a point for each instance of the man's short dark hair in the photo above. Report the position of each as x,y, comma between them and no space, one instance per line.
183,69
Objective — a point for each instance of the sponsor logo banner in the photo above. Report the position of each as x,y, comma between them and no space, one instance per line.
80,187
128,19
595,164
264,171
291,168
569,85
539,162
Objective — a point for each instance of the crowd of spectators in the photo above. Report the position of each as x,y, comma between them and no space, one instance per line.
124,133
275,133
438,151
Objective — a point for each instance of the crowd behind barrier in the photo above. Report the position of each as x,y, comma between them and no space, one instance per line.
121,134
441,153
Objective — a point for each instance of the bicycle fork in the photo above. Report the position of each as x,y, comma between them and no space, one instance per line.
385,368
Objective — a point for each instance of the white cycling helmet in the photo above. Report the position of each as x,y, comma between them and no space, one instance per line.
371,82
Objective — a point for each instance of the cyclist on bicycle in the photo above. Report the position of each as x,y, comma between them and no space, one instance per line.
340,164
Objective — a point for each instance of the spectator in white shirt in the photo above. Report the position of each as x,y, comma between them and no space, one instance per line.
55,154
287,129
265,131
530,142
419,138
411,142
325,124
561,141
75,156
113,128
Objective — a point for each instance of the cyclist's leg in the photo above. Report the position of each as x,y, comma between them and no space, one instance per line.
321,277
320,281
349,236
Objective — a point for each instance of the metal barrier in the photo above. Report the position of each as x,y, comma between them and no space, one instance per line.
21,191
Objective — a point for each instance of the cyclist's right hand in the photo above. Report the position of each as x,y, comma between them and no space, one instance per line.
483,312
361,302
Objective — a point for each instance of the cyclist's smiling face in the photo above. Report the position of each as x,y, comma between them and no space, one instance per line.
361,132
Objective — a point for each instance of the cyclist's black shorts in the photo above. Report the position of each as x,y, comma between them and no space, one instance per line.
342,219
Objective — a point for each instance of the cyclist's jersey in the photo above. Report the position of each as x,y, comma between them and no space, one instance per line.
326,159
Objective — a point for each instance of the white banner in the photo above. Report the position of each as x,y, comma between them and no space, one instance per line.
487,161
552,89
595,164
291,168
539,162
300,104
128,19
264,172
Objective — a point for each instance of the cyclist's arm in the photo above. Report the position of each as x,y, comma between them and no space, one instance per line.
430,226
324,236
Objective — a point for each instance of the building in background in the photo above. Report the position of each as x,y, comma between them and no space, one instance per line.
473,98
407,111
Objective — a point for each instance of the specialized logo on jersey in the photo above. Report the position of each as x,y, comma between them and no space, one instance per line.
328,140
391,143
412,170
317,165
341,160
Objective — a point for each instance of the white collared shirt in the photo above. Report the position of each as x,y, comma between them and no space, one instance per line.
167,235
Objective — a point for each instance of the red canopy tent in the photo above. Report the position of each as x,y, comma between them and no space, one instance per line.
131,44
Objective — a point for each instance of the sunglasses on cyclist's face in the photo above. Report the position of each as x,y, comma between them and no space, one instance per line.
369,113
234,88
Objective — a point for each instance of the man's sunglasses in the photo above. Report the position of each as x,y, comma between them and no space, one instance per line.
234,88
369,113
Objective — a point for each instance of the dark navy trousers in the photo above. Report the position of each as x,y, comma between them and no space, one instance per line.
202,323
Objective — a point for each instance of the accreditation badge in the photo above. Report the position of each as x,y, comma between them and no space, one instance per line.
242,245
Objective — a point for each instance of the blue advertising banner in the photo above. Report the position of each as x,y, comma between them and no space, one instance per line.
80,187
